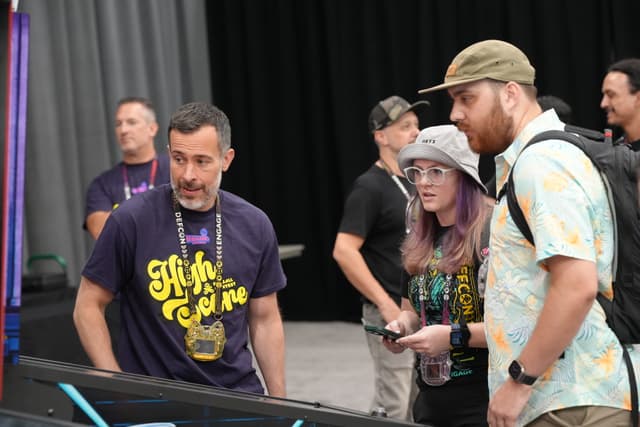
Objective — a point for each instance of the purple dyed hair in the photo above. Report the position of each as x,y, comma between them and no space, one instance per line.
461,244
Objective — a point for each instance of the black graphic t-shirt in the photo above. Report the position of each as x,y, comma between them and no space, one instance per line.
374,210
138,257
465,305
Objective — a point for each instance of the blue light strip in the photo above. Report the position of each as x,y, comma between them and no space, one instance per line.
129,401
86,407
82,403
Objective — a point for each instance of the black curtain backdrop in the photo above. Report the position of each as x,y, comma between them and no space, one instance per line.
298,79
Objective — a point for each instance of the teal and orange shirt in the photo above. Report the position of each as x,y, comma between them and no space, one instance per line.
565,204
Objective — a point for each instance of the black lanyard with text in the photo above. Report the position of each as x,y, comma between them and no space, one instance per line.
186,264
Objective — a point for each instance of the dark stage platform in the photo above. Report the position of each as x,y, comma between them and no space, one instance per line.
63,392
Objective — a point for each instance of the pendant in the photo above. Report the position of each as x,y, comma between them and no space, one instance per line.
205,343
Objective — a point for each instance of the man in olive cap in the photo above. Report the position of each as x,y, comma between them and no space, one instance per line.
367,246
553,360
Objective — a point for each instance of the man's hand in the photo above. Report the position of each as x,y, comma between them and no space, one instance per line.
389,310
507,404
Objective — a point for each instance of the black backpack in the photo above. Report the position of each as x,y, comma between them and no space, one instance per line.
617,165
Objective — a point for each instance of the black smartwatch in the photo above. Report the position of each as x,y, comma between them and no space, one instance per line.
517,372
459,337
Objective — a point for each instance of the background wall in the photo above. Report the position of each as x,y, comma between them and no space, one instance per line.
84,56
297,79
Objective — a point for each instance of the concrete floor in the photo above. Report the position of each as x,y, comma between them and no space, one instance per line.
329,363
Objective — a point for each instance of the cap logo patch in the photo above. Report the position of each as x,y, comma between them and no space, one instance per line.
394,112
429,141
451,71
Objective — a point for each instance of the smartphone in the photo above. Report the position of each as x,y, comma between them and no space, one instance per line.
377,330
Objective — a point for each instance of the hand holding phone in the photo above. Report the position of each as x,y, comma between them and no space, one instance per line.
377,330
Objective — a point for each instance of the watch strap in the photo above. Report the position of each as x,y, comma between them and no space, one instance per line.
519,375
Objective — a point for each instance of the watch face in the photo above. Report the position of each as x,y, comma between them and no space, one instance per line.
517,373
457,339
515,370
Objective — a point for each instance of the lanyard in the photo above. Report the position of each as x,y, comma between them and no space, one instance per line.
422,296
186,264
125,178
395,179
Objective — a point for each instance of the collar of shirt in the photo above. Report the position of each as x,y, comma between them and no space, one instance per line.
504,161
635,145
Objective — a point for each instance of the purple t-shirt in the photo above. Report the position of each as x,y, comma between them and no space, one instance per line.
107,189
138,256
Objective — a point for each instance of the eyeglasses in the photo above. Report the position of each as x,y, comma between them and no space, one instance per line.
434,175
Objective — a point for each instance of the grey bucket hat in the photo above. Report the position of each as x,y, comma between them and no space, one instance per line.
443,144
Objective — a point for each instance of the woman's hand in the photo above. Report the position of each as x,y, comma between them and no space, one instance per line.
390,344
431,340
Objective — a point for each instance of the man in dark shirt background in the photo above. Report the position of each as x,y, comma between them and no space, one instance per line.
367,247
621,99
141,167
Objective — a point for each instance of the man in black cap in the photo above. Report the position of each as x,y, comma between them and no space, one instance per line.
367,246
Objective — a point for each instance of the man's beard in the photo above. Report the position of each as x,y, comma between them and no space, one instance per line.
198,204
495,134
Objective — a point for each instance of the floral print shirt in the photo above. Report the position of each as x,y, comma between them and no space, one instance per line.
563,199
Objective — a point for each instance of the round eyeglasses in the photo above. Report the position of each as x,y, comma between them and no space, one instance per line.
434,175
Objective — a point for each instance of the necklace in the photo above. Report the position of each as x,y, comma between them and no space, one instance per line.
395,179
422,297
204,343
407,213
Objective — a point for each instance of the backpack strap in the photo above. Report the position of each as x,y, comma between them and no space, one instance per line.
633,386
509,188
514,208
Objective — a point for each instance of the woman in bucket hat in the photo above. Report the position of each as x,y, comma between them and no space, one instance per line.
445,255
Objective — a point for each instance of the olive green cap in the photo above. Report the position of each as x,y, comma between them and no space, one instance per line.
488,59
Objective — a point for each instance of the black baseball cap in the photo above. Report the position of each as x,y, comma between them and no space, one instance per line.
391,109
